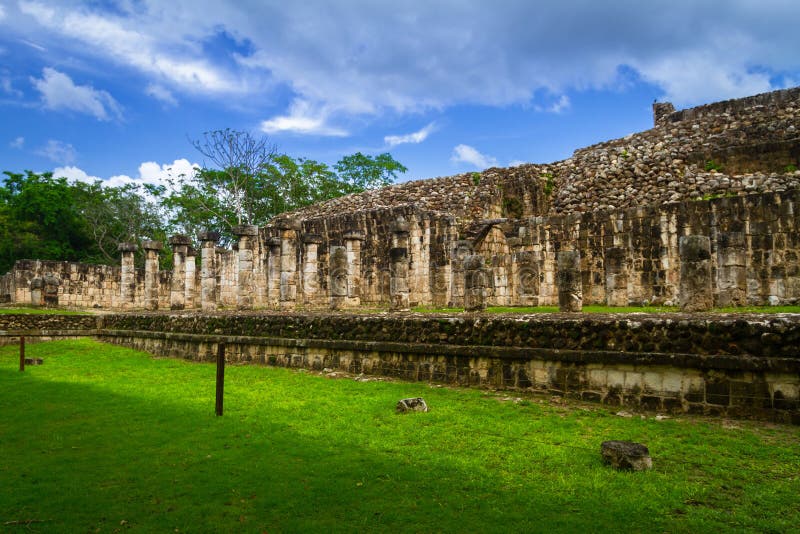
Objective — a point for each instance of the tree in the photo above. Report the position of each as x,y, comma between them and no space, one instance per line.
249,183
240,159
117,214
41,219
362,172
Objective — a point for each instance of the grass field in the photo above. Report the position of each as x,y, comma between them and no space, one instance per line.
106,439
39,311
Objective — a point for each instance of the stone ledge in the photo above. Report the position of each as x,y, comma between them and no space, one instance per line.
692,361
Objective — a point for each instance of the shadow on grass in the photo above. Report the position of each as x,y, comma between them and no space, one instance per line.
85,446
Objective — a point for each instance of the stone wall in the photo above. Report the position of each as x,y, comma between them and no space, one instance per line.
80,285
746,365
724,171
7,289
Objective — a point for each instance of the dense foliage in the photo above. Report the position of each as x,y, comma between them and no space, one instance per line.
50,218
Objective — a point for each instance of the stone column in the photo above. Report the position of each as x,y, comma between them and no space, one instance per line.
244,291
177,294
191,278
568,280
37,292
127,283
616,277
274,272
51,284
352,244
288,288
732,269
695,291
398,268
458,253
208,270
338,273
151,283
474,283
310,271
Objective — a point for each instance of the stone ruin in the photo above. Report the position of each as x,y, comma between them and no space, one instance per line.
697,211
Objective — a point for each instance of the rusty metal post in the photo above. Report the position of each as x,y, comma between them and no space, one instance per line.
220,376
21,353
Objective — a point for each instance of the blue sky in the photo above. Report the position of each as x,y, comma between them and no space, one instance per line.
115,89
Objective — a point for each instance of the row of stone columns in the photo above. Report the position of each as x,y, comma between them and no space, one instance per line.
695,291
183,293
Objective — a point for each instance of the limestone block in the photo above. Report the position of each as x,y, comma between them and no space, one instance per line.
695,291
626,455
570,289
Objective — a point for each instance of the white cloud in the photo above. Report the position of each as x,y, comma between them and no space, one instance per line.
150,172
356,59
59,92
74,174
681,82
416,137
139,43
2,12
559,106
58,152
161,93
516,163
303,118
468,154
35,46
8,87
18,143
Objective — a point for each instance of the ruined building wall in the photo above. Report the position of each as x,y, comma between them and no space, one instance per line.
79,285
631,257
7,290
725,171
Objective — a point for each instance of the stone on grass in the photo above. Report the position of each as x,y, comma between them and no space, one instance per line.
626,455
34,361
416,404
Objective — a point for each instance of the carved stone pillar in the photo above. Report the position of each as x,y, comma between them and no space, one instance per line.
398,268
37,292
177,294
127,283
695,293
616,269
568,280
245,288
458,253
474,283
288,288
151,281
208,270
274,272
310,271
732,269
191,278
338,273
352,244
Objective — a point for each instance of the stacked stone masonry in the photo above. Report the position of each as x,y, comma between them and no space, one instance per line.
746,365
724,171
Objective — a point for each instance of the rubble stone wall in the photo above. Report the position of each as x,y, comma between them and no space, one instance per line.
709,364
80,285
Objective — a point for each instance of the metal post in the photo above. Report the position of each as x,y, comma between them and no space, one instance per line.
21,353
220,376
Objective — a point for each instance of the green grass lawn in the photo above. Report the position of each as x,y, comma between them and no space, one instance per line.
39,311
102,438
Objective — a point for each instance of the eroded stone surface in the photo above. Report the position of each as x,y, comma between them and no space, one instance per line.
626,455
416,404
